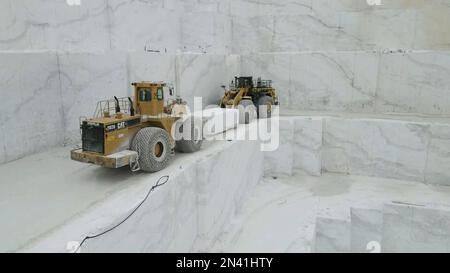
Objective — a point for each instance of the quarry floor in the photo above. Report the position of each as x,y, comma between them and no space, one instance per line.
281,213
41,192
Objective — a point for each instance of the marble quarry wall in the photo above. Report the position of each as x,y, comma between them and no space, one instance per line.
348,56
400,149
57,60
392,228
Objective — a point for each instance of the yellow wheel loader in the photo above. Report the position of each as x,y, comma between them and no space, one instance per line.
139,132
253,98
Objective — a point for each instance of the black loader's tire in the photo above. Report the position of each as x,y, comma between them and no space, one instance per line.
153,147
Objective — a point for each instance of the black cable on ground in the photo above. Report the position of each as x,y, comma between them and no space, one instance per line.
158,184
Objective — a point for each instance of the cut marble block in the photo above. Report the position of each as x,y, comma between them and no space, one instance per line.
224,178
415,82
332,235
307,145
437,169
86,79
217,120
415,228
280,161
54,25
31,115
383,148
366,229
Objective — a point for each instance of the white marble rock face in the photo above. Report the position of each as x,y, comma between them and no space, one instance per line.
166,221
307,145
233,63
249,8
347,146
184,226
331,236
437,169
430,19
86,79
378,29
240,26
343,81
275,67
146,66
251,35
201,75
383,148
399,150
366,227
410,228
281,160
54,25
342,25
371,82
3,149
415,82
218,182
31,114
205,32
219,6
144,26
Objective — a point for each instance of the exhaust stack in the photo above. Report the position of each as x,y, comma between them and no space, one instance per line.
117,105
131,107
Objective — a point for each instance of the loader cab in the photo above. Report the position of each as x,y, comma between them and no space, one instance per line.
243,82
149,98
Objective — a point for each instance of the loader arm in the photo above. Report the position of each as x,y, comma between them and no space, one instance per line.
241,93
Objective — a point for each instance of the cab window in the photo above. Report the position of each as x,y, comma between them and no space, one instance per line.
159,93
145,95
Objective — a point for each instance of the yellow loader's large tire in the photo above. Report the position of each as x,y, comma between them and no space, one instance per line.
153,147
195,139
266,110
247,111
